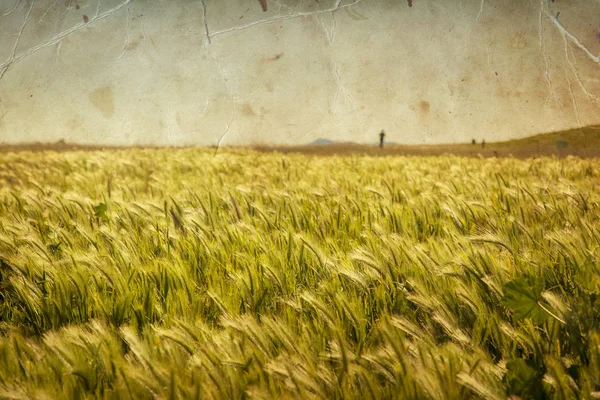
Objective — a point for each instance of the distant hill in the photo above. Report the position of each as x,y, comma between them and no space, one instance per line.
321,141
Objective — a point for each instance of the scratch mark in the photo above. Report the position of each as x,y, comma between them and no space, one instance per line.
341,90
480,10
56,39
170,10
438,6
45,13
205,20
253,94
341,86
127,33
112,37
589,95
7,13
61,18
573,100
5,66
206,107
320,126
233,102
57,51
279,18
328,31
575,107
551,93
337,6
568,34
142,47
168,83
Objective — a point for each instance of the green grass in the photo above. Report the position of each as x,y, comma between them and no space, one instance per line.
181,274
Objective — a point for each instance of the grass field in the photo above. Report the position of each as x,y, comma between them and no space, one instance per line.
171,273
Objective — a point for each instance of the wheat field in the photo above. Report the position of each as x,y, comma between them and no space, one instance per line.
170,273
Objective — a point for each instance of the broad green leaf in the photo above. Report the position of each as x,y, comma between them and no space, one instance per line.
100,211
524,297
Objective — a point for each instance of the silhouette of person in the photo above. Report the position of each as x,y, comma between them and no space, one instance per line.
483,144
473,141
381,136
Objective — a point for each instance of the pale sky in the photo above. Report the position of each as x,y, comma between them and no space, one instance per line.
226,72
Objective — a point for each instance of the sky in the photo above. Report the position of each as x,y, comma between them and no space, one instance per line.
233,72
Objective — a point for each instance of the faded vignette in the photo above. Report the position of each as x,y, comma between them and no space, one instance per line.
311,199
